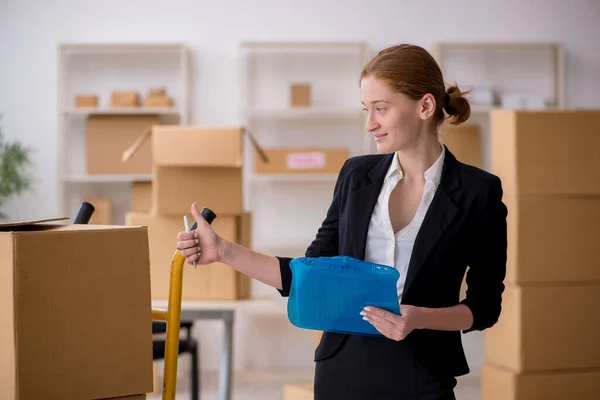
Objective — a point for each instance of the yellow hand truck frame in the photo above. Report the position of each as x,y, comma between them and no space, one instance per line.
172,316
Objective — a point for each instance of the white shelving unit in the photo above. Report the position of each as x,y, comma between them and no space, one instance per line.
99,69
288,208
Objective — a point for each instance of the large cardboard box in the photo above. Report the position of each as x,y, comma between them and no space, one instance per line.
206,282
464,142
553,239
108,136
546,152
76,311
298,391
501,384
301,161
546,328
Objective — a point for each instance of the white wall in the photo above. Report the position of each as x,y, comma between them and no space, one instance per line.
30,31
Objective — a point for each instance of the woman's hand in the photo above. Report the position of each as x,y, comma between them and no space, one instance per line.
202,244
392,326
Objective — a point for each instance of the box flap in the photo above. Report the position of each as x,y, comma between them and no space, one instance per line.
28,225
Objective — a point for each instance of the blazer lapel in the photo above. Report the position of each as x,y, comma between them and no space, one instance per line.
364,196
439,216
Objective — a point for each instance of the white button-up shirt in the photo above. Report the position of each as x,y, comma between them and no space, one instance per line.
385,247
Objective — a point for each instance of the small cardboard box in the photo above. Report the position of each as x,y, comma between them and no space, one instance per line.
76,311
553,239
301,161
546,152
545,328
300,95
206,282
464,142
102,210
86,101
299,391
124,99
141,197
501,384
108,136
157,101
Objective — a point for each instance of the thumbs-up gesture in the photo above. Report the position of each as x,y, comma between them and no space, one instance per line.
200,245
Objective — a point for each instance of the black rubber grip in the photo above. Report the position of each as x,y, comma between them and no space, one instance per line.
84,214
207,214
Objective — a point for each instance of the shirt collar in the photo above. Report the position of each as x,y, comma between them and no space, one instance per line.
433,173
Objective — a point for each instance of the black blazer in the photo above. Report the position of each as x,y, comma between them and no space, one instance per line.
464,226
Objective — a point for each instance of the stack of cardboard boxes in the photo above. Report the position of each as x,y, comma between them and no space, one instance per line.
202,165
546,344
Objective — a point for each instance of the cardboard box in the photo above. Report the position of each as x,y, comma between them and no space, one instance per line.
175,189
190,146
134,397
464,142
102,210
298,391
206,282
86,101
501,384
141,197
546,328
108,136
301,161
553,239
157,101
124,99
546,152
76,311
300,95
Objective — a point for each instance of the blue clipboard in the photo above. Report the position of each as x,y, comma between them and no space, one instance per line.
328,293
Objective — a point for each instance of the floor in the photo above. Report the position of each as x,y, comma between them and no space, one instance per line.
269,386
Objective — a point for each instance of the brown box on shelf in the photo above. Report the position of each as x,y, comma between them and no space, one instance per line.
86,101
67,287
141,197
553,239
206,282
545,328
157,91
298,391
102,210
502,384
464,142
300,95
546,152
157,101
124,99
301,161
108,136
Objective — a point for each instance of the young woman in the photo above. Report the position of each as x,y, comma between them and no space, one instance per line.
414,206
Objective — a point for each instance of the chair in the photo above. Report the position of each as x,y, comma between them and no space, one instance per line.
187,345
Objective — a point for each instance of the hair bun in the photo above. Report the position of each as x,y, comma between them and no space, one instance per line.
456,105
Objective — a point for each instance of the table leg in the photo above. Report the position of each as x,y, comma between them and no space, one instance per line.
225,379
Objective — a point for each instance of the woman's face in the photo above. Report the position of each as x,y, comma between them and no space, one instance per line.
393,119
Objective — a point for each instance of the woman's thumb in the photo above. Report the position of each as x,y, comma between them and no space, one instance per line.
197,216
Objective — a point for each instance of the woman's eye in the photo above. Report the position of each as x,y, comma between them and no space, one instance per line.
379,109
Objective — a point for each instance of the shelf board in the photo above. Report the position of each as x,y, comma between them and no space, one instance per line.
308,177
109,178
121,111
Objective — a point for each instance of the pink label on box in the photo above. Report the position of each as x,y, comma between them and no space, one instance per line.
305,160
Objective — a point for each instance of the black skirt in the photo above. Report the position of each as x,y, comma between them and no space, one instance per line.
376,368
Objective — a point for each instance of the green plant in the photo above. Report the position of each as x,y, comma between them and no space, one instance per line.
15,158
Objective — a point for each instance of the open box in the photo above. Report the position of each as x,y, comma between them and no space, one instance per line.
76,311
